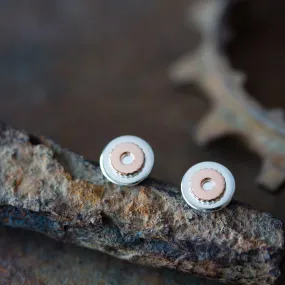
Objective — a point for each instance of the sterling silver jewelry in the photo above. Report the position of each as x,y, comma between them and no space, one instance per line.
127,160
208,186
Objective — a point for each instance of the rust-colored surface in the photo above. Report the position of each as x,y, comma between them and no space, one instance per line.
76,69
67,198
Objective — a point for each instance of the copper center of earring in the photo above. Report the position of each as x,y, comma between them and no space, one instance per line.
207,184
127,158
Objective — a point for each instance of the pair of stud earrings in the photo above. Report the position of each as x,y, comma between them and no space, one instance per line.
206,186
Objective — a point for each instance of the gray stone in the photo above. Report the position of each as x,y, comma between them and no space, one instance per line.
51,190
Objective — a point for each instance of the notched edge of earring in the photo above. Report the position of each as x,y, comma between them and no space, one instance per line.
211,176
212,205
112,174
127,170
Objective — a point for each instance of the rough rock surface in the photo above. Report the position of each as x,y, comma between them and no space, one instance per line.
56,192
29,258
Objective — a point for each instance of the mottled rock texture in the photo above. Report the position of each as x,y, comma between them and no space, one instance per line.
28,258
53,191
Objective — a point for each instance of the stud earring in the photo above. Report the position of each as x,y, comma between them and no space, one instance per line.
208,186
127,160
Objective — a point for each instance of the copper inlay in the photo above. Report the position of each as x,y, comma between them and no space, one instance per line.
209,175
127,149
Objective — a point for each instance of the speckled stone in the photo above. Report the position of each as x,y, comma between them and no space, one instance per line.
51,190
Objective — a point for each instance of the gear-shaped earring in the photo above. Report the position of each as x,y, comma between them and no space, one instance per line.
208,186
127,160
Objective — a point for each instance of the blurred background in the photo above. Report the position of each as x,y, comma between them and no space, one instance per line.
84,72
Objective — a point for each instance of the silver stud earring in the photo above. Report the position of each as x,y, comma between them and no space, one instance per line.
127,160
208,186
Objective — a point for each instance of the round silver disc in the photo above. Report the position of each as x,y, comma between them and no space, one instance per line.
115,176
200,204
